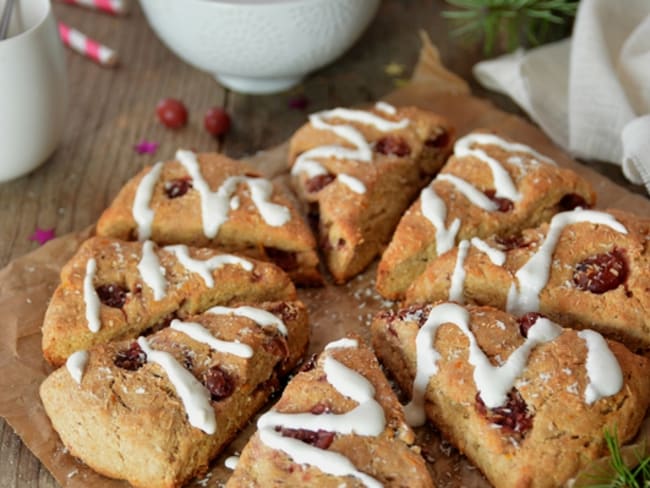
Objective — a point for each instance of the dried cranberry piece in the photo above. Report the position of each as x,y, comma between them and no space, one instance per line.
112,295
441,139
219,383
321,439
527,321
130,359
284,259
320,408
509,243
178,187
571,201
503,204
308,364
286,312
602,272
318,182
277,347
393,145
513,417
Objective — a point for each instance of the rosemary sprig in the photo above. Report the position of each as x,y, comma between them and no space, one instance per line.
512,23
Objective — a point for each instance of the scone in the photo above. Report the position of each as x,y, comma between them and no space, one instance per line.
113,290
491,186
584,269
209,200
525,400
337,424
155,411
358,170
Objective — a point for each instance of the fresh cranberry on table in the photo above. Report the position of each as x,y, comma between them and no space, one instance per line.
172,113
217,121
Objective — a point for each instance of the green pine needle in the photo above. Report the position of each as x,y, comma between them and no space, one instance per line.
511,23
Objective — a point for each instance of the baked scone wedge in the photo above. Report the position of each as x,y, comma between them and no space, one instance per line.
155,411
209,200
491,186
585,268
338,424
527,401
112,289
358,170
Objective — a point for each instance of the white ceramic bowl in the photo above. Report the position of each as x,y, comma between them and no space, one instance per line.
259,46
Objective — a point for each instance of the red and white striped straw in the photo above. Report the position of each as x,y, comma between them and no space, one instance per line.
86,46
115,7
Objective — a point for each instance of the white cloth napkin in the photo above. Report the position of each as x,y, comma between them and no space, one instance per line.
590,93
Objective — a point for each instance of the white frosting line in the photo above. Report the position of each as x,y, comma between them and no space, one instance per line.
215,205
203,335
456,287
345,342
434,209
231,462
195,397
76,364
533,276
493,382
494,140
497,256
352,183
205,268
473,194
257,315
604,372
387,108
90,297
153,274
142,214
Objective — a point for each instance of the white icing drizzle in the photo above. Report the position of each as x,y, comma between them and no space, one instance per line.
352,183
494,140
434,209
90,297
231,462
458,276
201,334
532,277
387,108
257,315
153,274
76,364
342,343
604,372
493,382
365,419
205,268
142,214
473,194
497,256
195,397
215,205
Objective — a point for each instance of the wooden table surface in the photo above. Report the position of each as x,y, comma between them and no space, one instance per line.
111,110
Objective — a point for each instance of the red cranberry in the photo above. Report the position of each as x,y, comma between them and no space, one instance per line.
172,113
321,439
513,417
601,273
309,363
572,201
277,347
219,383
178,187
130,359
509,243
503,204
393,145
217,121
438,140
285,311
320,408
284,259
112,295
527,321
318,182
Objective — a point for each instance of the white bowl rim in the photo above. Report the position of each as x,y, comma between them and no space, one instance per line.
13,39
252,3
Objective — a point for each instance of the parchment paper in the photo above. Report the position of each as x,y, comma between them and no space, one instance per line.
27,283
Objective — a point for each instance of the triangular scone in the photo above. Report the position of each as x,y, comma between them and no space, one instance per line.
584,269
209,200
337,424
113,289
359,170
490,186
525,400
155,411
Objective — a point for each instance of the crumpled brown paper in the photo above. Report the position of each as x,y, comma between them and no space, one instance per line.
27,283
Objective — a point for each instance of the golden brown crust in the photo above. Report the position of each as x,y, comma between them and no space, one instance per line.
622,313
390,458
542,187
178,220
132,425
566,433
354,228
65,328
